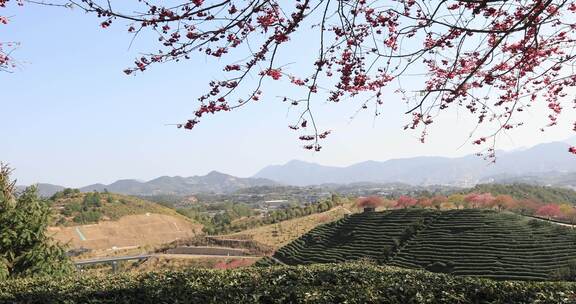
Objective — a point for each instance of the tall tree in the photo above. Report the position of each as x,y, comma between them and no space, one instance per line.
25,248
549,211
405,202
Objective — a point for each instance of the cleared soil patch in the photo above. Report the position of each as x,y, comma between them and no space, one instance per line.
128,231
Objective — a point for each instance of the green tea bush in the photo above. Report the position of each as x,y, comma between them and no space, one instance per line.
330,283
470,242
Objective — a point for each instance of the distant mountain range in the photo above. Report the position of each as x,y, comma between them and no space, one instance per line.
545,164
44,190
462,171
213,182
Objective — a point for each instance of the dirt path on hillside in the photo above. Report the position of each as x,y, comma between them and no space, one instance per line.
550,221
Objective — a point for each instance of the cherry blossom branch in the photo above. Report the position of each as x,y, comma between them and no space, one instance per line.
493,58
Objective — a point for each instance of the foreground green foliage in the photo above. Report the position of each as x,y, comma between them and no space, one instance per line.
474,242
25,249
349,283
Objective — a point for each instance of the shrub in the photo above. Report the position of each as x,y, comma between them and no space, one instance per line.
538,223
350,283
440,267
87,217
567,273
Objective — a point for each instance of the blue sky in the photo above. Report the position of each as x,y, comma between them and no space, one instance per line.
71,117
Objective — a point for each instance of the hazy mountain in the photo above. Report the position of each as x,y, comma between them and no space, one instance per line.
545,164
463,171
571,141
44,190
212,182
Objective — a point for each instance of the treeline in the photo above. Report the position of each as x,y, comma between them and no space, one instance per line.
217,218
532,192
226,218
84,208
563,212
172,201
66,193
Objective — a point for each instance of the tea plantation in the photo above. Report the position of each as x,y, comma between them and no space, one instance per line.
473,242
334,283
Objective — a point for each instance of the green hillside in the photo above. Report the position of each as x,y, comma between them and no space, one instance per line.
73,208
461,242
524,191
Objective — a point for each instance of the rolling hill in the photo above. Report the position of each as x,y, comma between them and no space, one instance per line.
461,242
113,221
91,207
128,232
213,182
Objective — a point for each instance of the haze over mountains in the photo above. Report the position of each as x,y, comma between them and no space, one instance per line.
461,171
548,163
212,182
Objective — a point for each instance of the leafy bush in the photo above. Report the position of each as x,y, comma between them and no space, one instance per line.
350,283
538,223
68,192
440,267
567,273
88,217
92,199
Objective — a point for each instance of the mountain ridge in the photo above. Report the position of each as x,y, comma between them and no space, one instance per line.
213,182
465,171
548,164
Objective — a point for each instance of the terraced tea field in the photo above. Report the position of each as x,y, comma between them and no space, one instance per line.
461,242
